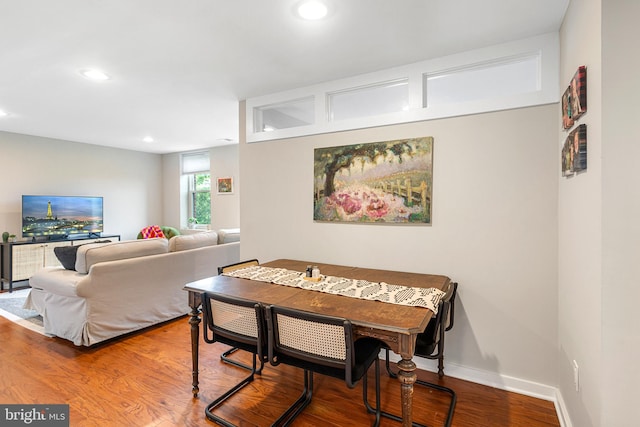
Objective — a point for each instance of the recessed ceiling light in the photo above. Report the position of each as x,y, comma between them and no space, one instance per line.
312,10
148,139
95,75
3,113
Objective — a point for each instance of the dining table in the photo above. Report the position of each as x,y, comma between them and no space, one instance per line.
396,325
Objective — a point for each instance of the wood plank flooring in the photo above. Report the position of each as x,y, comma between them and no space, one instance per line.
144,379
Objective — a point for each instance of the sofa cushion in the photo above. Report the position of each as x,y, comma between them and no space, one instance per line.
56,280
228,235
168,232
67,254
93,253
151,231
193,241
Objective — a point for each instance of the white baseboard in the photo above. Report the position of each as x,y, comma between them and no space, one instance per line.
561,409
495,380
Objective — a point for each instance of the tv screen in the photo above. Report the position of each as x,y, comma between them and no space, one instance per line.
61,216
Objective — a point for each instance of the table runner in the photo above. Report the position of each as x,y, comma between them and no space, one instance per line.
363,289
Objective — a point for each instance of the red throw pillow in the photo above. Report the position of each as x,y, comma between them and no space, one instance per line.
151,232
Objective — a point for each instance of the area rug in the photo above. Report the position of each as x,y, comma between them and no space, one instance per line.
11,308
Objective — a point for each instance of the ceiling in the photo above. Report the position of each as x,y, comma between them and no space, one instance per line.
179,68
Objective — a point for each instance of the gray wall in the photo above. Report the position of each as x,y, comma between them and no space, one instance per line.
494,228
620,292
598,220
580,227
129,181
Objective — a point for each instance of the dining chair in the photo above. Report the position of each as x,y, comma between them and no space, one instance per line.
321,344
238,323
430,345
225,356
237,265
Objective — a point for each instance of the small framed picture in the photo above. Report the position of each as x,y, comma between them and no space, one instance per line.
567,119
225,185
574,152
574,99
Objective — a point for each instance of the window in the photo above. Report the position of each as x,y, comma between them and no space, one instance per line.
515,74
381,98
195,168
200,197
299,112
493,79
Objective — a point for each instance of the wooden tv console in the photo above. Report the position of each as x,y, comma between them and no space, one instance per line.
20,260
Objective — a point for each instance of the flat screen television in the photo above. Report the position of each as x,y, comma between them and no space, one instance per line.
59,217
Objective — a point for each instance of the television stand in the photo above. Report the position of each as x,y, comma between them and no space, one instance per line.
21,260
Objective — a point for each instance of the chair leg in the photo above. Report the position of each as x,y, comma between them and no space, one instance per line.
217,402
388,366
441,366
225,358
377,411
298,406
444,389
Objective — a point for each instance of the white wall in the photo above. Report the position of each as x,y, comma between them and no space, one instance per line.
225,208
580,227
173,203
129,181
494,228
620,214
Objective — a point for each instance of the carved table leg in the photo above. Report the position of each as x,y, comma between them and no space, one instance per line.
407,376
194,321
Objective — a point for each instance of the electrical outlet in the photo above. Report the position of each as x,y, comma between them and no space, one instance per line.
576,375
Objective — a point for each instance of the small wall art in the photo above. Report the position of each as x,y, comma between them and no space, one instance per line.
574,99
225,185
574,151
386,182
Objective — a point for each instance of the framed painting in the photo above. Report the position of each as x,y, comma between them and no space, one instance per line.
574,99
578,88
388,182
574,151
225,185
567,120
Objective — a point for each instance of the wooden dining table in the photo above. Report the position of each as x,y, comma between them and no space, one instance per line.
395,325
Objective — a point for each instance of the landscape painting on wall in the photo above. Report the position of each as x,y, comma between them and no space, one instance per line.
386,182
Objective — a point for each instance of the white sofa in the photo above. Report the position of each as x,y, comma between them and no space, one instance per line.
121,287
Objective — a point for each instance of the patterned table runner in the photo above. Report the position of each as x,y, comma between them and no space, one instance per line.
378,291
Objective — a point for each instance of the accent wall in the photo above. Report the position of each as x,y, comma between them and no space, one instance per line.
494,230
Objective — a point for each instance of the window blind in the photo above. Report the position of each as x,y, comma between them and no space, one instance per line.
197,162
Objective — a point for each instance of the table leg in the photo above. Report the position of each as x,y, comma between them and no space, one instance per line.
407,376
194,321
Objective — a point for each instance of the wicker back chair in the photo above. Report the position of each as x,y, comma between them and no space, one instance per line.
321,344
240,324
430,345
237,266
225,356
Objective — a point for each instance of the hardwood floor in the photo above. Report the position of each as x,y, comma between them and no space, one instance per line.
144,379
